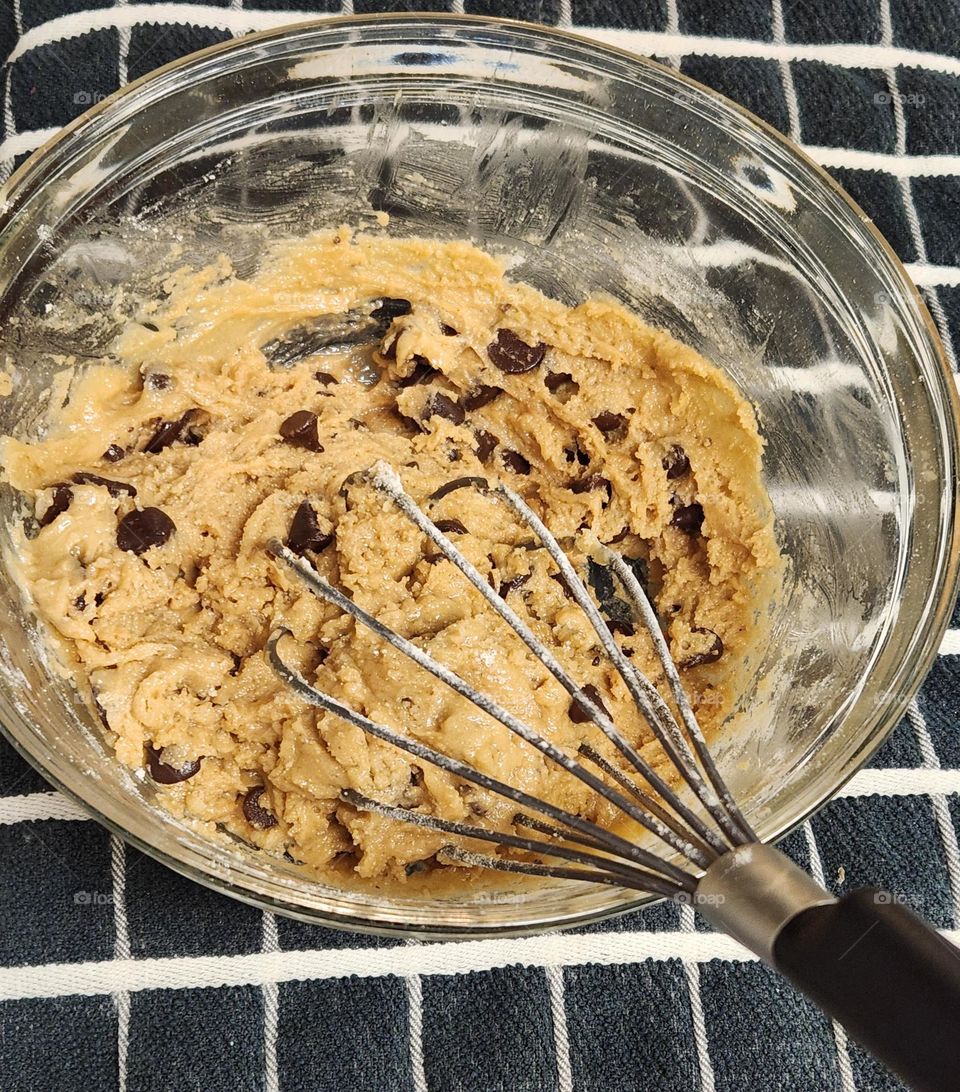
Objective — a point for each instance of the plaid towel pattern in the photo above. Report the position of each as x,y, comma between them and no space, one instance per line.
117,974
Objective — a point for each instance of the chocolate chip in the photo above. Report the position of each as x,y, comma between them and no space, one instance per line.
391,308
451,527
710,656
325,378
575,453
101,712
562,581
142,529
590,483
439,405
80,603
159,381
305,533
457,483
578,713
168,432
676,463
114,488
514,461
688,518
254,814
113,454
415,867
151,326
481,396
448,331
507,586
301,430
621,625
609,422
422,371
99,598
165,774
513,356
555,380
389,352
60,502
486,444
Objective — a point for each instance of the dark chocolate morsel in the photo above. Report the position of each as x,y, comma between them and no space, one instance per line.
168,432
621,625
688,518
676,463
414,867
507,586
447,330
486,444
113,454
457,483
254,813
513,356
141,529
451,527
324,378
391,308
301,430
577,453
481,396
710,656
80,603
553,381
151,326
514,461
439,405
608,422
305,533
422,371
578,714
114,488
165,774
62,496
101,712
159,381
589,483
562,581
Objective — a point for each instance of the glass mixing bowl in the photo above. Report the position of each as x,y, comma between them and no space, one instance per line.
598,171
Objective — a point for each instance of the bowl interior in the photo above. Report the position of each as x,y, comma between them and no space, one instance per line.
594,172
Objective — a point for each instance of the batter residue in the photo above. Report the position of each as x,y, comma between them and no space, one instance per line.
240,413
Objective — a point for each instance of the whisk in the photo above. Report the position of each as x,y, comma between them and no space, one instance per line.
865,959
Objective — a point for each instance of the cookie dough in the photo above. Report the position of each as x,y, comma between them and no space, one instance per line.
239,411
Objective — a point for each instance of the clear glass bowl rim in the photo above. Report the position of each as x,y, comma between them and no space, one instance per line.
19,185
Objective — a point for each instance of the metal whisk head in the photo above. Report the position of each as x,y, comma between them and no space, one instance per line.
700,834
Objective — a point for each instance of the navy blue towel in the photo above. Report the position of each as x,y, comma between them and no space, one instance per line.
117,974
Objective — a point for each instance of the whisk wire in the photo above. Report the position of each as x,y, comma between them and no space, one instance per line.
641,604
682,844
384,478
530,845
612,843
645,695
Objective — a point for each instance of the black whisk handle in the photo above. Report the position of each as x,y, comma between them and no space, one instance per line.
887,976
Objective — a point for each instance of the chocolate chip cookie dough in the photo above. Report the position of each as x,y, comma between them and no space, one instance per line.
242,410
